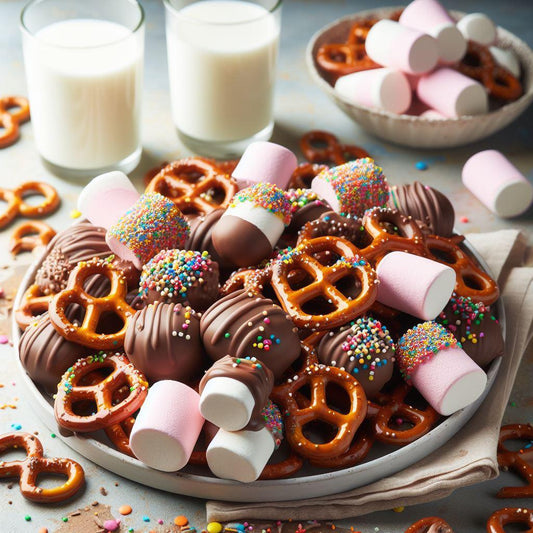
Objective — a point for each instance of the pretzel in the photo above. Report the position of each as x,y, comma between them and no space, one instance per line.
17,206
153,172
284,469
510,515
87,333
227,166
195,185
10,121
322,147
471,280
516,461
119,435
303,175
345,306
335,225
108,413
430,524
29,469
317,377
393,405
478,63
34,303
30,235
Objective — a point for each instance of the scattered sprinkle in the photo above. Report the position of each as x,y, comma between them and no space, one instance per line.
112,525
146,518
16,427
421,165
464,220
4,339
27,518
214,527
399,509
125,509
181,520
75,213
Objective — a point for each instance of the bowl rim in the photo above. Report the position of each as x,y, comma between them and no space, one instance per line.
524,100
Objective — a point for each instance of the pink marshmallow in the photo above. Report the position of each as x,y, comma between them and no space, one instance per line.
431,359
478,27
265,161
449,381
429,16
393,45
415,285
167,426
106,198
497,183
451,93
383,88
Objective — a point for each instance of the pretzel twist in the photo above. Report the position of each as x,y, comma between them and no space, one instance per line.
284,469
108,412
323,147
471,280
30,235
35,464
346,305
510,515
393,405
478,63
317,377
195,185
16,204
518,461
10,120
432,524
34,303
87,333
303,175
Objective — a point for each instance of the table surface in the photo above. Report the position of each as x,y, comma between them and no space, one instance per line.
299,107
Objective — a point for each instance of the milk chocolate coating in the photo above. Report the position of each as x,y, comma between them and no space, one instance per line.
364,349
256,376
242,325
335,225
426,205
200,238
239,242
306,212
163,342
46,355
475,327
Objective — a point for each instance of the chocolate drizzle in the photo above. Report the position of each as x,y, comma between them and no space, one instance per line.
256,376
243,325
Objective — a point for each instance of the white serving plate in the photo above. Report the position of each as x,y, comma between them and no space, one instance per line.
306,485
414,131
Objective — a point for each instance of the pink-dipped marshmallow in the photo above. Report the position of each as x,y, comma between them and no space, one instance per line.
430,357
265,161
479,28
106,198
383,88
497,183
415,285
453,94
429,16
167,426
391,44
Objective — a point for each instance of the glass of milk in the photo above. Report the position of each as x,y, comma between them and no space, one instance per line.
222,67
84,69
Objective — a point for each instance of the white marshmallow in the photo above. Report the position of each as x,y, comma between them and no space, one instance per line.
506,58
478,27
227,403
240,455
270,224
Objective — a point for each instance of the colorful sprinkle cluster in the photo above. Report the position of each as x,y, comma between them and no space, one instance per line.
273,422
462,311
252,361
267,196
265,343
70,374
358,185
420,344
300,198
367,344
153,223
172,272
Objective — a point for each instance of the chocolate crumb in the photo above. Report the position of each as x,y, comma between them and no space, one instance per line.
10,485
75,513
103,491
94,504
116,483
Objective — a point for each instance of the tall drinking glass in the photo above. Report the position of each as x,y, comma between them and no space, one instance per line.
222,66
84,68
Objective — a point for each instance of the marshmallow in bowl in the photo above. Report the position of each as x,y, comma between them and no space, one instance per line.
497,183
479,28
431,17
506,58
391,44
453,94
383,88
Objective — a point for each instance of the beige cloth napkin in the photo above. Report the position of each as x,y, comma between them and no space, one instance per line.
468,458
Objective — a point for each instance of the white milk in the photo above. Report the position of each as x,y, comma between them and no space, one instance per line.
222,75
85,82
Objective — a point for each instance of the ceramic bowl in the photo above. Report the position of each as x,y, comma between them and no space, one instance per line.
414,131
